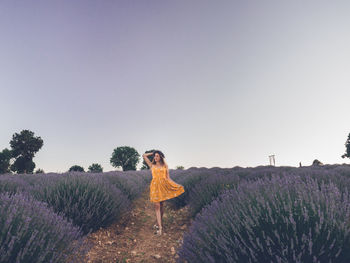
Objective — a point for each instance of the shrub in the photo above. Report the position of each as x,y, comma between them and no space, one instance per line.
86,199
31,232
282,219
205,191
128,185
12,184
188,181
131,183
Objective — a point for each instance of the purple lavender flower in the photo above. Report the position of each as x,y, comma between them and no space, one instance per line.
32,232
281,218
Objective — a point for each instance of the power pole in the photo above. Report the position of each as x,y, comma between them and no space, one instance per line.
272,159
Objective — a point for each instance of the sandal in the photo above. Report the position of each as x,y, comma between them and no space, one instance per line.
159,232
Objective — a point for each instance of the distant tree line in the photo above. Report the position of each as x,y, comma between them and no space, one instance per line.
24,146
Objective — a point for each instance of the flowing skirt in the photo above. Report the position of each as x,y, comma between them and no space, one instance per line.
163,189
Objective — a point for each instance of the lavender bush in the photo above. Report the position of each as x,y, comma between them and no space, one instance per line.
342,170
189,179
31,232
337,174
282,219
202,185
142,176
91,200
12,184
131,185
256,172
205,191
87,199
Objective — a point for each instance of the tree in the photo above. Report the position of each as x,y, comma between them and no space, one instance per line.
5,157
24,146
316,163
39,171
95,168
179,167
23,165
125,157
144,164
76,168
347,146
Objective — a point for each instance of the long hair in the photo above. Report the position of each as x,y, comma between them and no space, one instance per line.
161,157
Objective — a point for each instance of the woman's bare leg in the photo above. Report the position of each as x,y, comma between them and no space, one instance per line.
158,216
161,210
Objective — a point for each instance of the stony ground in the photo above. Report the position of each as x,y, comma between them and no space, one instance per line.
133,239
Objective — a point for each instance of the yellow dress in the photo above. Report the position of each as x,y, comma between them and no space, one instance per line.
161,188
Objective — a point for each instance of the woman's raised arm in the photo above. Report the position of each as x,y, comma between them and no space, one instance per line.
146,159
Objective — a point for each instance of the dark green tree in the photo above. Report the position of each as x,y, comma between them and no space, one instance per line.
24,146
39,171
144,164
76,168
125,157
5,157
179,167
23,165
316,163
95,168
347,146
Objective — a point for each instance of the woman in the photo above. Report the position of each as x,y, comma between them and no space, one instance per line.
162,187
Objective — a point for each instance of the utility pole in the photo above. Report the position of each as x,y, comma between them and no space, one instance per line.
272,159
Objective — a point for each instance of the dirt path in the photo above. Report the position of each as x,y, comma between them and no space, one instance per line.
133,239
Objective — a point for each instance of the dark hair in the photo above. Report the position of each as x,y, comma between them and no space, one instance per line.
161,157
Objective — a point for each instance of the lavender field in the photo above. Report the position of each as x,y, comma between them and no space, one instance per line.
261,214
269,214
46,217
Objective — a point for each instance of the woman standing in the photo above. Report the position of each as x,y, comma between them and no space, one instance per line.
162,187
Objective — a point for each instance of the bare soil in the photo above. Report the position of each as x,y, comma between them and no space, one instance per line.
133,238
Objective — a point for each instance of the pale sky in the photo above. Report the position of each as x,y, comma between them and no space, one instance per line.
209,83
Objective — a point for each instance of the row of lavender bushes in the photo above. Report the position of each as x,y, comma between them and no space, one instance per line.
270,214
188,179
203,185
32,232
45,217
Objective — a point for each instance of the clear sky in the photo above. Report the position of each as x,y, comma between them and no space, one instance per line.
209,83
